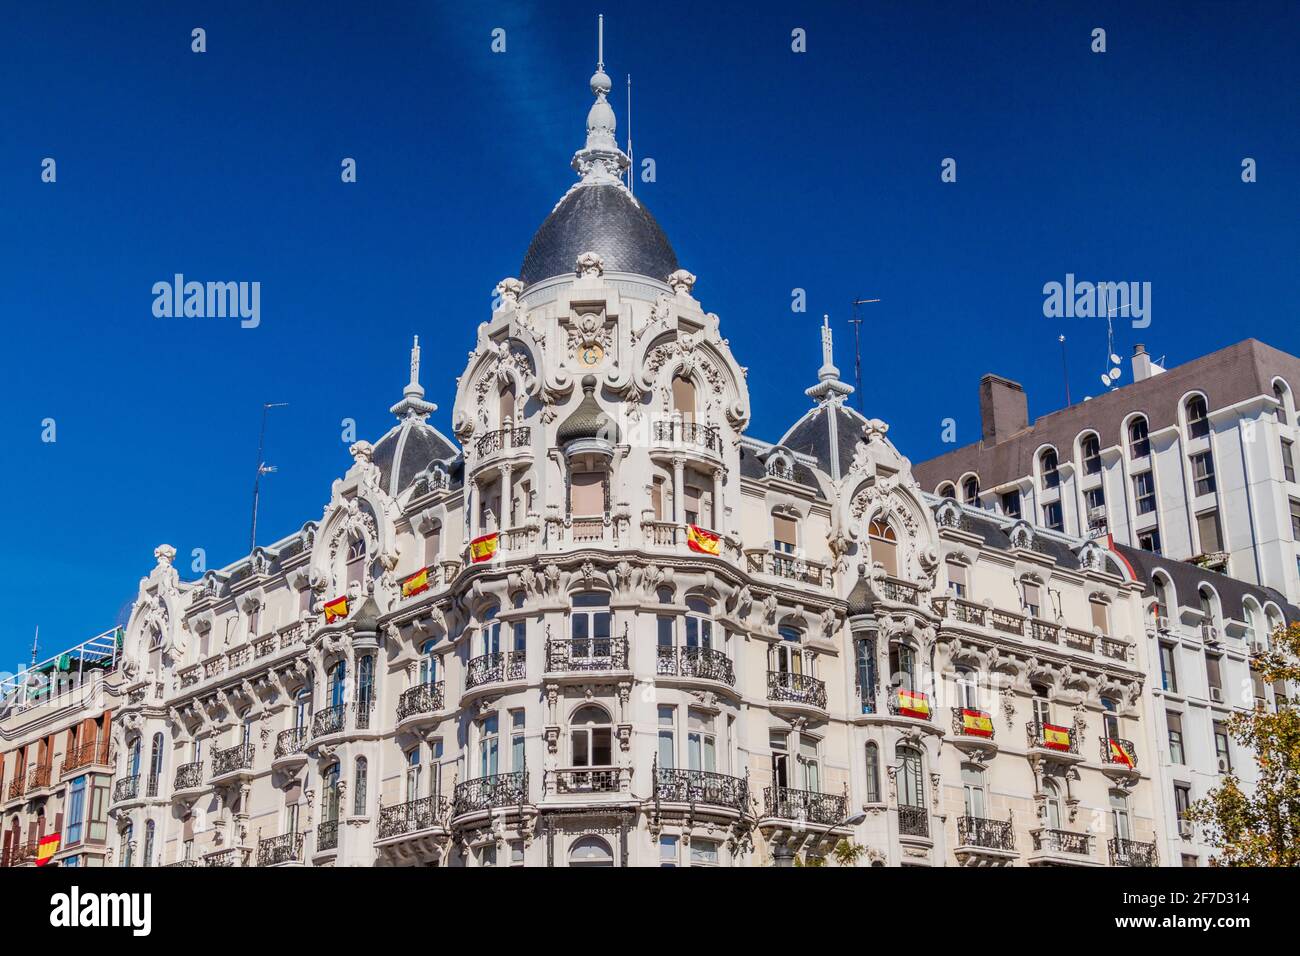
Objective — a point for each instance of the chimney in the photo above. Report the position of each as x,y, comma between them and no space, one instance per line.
1004,409
1141,363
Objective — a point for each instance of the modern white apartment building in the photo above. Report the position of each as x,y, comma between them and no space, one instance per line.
1195,462
604,626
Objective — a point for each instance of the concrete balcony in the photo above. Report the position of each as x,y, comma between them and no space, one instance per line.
787,567
1052,742
501,445
678,435
416,831
1061,848
985,842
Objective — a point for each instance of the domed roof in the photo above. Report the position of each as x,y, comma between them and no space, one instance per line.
407,450
588,420
605,219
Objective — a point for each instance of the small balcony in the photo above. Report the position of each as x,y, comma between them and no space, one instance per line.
913,821
973,731
679,433
412,818
418,706
280,850
912,704
579,781
17,786
701,788
981,840
329,720
38,781
151,784
232,764
800,689
327,836
494,792
508,442
86,757
1132,853
1118,756
126,789
1052,741
290,748
188,782
804,806
699,663
788,567
584,656
185,863
495,669
232,857
899,592
1061,847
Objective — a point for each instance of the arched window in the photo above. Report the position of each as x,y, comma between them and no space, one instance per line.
148,844
591,738
684,397
1139,444
1048,468
1090,449
506,404
1163,599
947,490
155,651
133,763
155,763
302,707
128,843
1280,393
911,787
873,773
590,618
1052,804
972,783
699,623
428,664
968,689
365,689
1198,421
970,490
337,683
591,851
360,781
884,546
490,632
330,784
356,560
786,654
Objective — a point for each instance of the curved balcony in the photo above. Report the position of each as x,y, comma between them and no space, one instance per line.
982,841
1052,742
420,706
973,731
695,664
800,692
587,656
410,819
913,821
496,668
680,434
232,764
188,782
126,790
334,719
290,749
1118,757
701,790
503,443
483,795
909,705
1131,853
282,850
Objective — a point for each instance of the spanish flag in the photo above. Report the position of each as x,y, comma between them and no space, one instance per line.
336,609
48,846
417,583
913,704
705,542
484,547
976,723
1119,753
1056,738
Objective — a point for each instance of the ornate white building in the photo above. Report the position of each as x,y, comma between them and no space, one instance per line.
605,626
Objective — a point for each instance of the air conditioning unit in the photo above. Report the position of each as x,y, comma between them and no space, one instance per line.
1209,634
1223,765
1216,694
1162,623
1097,517
1185,829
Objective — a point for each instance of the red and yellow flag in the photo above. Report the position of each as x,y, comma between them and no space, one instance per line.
976,723
48,846
705,542
336,609
1056,738
484,547
417,583
1119,753
913,703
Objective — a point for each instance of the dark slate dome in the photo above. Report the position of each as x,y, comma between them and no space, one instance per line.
601,218
588,420
406,451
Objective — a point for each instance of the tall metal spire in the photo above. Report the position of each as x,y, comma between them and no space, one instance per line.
413,404
829,390
600,160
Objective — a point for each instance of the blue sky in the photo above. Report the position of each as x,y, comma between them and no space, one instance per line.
775,170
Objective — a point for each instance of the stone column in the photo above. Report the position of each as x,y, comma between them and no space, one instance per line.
507,496
679,466
718,512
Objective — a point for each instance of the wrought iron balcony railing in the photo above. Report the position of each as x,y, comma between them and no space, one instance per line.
494,668
902,702
1132,853
701,787
1117,750
983,832
412,816
704,663
189,776
913,821
1043,736
232,759
491,792
126,789
420,699
95,752
493,441
900,592
327,835
797,688
330,720
1062,841
285,848
807,806
688,433
968,722
151,785
364,709
586,654
38,779
792,567
16,786
291,741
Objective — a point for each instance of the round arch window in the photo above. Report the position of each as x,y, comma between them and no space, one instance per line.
591,851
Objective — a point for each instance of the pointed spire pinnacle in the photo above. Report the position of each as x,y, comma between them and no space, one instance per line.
413,404
829,390
600,161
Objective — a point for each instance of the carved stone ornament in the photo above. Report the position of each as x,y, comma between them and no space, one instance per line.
681,282
589,265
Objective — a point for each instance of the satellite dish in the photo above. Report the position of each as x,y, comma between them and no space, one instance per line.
1114,359
1115,374
1105,379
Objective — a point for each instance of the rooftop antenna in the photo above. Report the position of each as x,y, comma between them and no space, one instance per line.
35,643
857,347
600,43
1065,370
262,469
631,164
